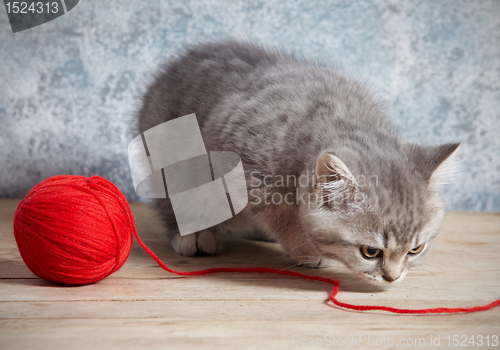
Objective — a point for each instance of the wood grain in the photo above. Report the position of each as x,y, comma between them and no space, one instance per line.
142,306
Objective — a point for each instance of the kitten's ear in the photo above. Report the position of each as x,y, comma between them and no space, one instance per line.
435,162
335,184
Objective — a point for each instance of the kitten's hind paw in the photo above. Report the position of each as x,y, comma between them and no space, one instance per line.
206,242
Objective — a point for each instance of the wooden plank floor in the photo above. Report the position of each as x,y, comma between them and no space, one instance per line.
142,306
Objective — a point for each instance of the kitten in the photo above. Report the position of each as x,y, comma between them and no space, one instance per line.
327,177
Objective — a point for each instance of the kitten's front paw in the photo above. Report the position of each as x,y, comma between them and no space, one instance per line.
306,256
317,264
206,242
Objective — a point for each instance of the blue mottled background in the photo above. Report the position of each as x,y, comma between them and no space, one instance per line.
69,88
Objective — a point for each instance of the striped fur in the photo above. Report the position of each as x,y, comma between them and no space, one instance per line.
282,115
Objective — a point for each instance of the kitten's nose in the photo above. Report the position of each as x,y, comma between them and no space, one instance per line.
389,278
391,274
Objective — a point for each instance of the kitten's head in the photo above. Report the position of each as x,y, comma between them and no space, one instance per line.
378,215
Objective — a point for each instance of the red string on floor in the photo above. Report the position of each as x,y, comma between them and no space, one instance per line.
77,230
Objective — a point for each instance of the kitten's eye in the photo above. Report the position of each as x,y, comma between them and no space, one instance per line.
417,250
370,252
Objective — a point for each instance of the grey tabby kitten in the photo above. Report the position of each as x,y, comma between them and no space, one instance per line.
327,177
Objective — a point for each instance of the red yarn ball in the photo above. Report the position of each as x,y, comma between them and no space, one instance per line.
74,230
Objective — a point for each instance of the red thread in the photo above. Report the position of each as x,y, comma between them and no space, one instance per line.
75,230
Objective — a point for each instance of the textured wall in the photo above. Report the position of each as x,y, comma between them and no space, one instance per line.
69,88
